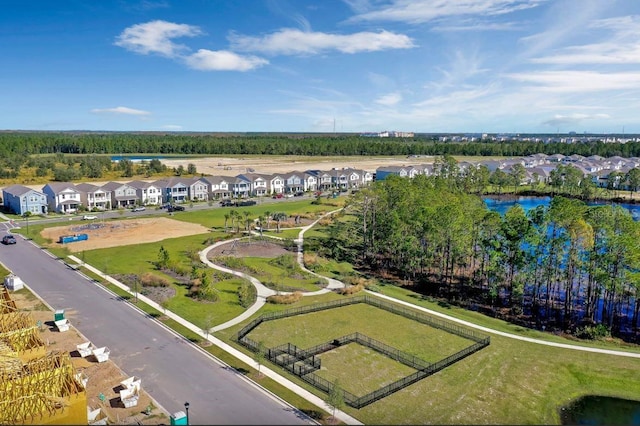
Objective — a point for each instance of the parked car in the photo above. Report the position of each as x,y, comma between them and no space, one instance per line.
288,195
278,195
138,209
246,203
227,203
8,239
175,208
298,194
89,217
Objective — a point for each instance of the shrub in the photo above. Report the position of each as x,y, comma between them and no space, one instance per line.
180,269
355,284
593,332
150,280
286,261
285,299
247,294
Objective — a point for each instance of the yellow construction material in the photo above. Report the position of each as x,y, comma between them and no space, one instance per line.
44,391
6,303
36,387
20,332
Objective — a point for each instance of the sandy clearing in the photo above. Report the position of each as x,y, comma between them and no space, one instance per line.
123,232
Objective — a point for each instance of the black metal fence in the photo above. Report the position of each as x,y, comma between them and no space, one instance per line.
303,362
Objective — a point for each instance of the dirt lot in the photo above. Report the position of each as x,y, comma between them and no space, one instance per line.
123,232
103,378
233,166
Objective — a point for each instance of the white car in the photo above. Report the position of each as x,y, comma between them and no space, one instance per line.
138,209
89,217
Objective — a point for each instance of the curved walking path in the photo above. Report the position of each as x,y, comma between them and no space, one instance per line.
262,290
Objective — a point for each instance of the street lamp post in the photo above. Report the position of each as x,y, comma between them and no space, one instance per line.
186,407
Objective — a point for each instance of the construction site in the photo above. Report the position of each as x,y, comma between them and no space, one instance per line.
50,374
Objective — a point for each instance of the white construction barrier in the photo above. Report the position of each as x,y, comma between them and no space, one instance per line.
96,417
129,397
85,349
63,325
101,354
132,382
82,378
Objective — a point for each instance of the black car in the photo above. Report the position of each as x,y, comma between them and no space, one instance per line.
8,239
246,203
227,203
175,208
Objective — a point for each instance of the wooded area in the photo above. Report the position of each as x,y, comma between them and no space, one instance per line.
569,267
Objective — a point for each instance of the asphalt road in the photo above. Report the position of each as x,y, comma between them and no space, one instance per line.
172,369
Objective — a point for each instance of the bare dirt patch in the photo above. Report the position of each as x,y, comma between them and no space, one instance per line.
122,232
246,248
232,166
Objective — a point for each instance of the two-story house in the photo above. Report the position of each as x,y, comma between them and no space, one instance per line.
239,187
62,197
123,195
94,197
21,199
148,193
174,190
258,185
218,187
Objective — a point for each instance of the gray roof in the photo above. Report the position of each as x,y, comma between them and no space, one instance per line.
19,190
57,187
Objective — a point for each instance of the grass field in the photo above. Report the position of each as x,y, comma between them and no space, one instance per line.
412,337
360,370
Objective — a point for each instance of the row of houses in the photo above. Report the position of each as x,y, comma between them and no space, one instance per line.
538,167
67,197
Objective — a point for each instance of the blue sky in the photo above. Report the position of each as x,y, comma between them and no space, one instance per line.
492,66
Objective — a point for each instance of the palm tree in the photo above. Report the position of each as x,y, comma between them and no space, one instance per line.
226,219
267,215
278,217
247,222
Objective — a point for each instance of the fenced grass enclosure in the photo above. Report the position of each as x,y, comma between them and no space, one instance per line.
304,363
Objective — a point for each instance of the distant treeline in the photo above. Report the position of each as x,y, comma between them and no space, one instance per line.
25,143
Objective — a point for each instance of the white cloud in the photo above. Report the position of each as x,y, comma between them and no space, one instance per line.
156,37
478,26
290,41
576,118
389,99
223,60
623,46
578,81
121,110
420,11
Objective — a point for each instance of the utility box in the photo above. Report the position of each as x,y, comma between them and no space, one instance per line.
59,315
178,418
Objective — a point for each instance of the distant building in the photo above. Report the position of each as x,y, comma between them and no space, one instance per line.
388,134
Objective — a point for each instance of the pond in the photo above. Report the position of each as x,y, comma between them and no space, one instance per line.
501,205
601,410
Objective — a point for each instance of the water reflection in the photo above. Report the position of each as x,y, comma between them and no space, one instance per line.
501,205
601,410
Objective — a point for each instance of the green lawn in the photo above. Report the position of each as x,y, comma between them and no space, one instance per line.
359,369
412,337
275,276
